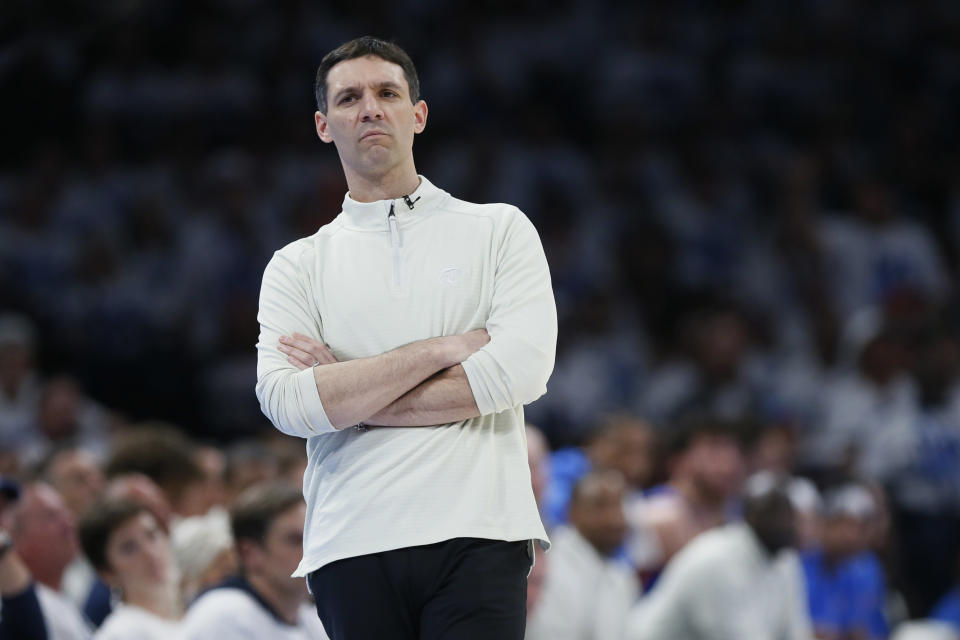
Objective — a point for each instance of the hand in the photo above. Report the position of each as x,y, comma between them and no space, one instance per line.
465,345
304,352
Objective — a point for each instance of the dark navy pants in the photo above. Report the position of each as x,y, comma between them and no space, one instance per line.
460,589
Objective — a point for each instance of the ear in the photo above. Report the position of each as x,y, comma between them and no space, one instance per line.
419,116
323,130
249,554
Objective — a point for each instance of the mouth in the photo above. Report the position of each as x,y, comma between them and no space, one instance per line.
372,134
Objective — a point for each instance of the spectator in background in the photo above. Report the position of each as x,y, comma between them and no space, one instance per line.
925,489
263,601
588,593
290,457
167,457
21,617
131,552
138,488
249,463
64,417
213,466
867,411
705,466
74,473
713,379
736,582
774,449
44,533
205,553
876,253
620,441
846,589
19,382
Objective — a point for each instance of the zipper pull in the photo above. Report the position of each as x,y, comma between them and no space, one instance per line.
395,246
394,228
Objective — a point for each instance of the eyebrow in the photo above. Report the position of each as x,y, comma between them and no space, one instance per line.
386,84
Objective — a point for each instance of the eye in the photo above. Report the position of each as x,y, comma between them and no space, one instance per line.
128,547
389,93
347,99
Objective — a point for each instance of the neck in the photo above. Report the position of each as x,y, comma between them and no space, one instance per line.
394,183
49,577
284,603
160,601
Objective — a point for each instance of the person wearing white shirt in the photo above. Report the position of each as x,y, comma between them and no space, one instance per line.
739,581
263,601
588,593
45,536
131,552
427,322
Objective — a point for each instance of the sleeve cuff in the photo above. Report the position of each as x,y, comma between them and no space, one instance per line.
313,412
476,367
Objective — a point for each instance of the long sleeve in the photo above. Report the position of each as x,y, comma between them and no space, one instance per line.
288,396
513,368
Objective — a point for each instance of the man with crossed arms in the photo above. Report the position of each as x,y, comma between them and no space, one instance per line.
402,340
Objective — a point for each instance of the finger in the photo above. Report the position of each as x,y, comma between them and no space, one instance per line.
319,350
298,355
297,363
305,357
305,343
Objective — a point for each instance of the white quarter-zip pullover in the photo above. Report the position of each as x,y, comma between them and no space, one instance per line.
380,276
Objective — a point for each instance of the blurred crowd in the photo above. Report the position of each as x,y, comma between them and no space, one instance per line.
750,211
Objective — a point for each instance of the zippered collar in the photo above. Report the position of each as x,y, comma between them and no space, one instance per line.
373,215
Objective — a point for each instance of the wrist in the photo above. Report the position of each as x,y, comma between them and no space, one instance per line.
446,352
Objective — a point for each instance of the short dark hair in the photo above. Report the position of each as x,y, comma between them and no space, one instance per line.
693,426
160,452
359,48
99,523
256,508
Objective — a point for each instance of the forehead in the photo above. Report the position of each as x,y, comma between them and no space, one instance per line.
42,496
143,521
364,72
601,490
291,519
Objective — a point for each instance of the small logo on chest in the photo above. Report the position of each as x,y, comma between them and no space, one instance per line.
450,275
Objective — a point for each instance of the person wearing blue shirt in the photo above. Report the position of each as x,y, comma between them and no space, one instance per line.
846,590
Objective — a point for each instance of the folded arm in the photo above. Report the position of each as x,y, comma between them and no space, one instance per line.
319,399
440,399
510,370
513,368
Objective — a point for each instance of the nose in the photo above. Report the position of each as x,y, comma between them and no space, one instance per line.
370,108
